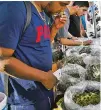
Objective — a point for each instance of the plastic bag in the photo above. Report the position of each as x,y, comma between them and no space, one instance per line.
65,82
83,55
91,60
57,55
80,88
93,72
85,49
96,43
93,68
96,51
76,48
70,52
3,101
74,70
71,74
74,59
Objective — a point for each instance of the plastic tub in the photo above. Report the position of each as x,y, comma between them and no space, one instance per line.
3,101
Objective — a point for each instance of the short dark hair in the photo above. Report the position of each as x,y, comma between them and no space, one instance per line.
81,3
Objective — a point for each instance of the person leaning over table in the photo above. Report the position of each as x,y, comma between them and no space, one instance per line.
63,36
75,20
78,9
32,57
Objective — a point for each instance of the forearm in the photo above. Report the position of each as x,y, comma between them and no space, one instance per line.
6,52
18,69
53,32
68,42
81,29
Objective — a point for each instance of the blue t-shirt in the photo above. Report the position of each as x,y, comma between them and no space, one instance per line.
34,49
83,21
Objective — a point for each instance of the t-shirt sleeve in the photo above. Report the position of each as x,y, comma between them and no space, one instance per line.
11,26
62,33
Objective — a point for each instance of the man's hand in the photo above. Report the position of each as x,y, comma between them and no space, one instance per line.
87,42
50,80
60,21
74,38
72,9
2,64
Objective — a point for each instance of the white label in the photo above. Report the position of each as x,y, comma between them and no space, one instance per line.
58,74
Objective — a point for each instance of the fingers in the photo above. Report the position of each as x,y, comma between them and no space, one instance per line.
60,21
2,64
50,81
74,38
63,18
88,42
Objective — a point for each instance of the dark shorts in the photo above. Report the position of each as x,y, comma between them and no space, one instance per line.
43,105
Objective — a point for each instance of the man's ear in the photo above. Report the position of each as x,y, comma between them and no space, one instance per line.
76,8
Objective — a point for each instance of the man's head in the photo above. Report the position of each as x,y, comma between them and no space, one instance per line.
80,7
53,7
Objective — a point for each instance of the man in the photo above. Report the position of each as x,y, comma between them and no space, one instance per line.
83,21
32,57
82,29
75,20
93,9
79,8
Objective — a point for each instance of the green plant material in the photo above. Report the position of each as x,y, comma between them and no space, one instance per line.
74,60
60,102
85,49
65,82
87,98
62,86
93,72
58,55
75,75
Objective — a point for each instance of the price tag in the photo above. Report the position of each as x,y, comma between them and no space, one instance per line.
58,74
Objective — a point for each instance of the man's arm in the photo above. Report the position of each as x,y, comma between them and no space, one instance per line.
59,22
53,33
19,69
6,52
70,42
65,41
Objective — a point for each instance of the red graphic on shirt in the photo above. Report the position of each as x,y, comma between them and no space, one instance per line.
42,31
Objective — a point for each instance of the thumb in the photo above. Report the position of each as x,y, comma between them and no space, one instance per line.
4,62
